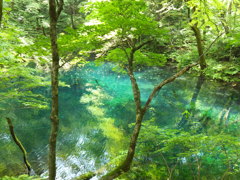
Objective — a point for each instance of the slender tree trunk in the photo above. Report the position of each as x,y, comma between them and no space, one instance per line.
43,31
19,144
197,33
133,142
139,116
54,14
125,166
37,23
72,21
1,12
198,36
140,112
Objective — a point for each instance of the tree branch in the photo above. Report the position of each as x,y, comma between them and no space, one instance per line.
141,45
209,47
69,58
19,144
166,81
60,7
125,52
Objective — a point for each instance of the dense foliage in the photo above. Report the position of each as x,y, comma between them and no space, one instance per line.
132,35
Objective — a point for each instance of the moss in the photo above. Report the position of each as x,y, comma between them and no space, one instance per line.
21,177
86,176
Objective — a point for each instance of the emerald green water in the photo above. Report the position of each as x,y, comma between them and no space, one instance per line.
95,111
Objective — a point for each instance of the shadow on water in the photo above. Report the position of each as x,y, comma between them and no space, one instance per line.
95,112
191,107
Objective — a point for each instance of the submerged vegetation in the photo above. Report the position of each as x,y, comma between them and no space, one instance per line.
119,89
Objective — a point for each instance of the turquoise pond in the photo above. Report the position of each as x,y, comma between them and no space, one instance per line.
95,111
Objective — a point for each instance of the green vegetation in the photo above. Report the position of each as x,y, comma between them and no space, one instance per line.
22,177
120,89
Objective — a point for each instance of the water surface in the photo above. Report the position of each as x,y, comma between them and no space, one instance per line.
95,111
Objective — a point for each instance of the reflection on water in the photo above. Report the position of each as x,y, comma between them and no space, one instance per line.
95,112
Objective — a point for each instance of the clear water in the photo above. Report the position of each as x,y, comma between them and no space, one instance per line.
94,115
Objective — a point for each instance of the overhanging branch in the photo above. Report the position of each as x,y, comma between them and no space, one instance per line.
163,83
172,78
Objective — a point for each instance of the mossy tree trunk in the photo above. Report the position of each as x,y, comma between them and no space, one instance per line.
54,12
140,112
198,36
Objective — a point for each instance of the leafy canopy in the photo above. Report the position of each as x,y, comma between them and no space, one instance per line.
116,27
18,77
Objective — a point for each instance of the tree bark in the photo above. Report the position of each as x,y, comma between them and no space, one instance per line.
19,144
131,150
72,21
125,165
43,31
198,36
54,13
201,54
1,12
139,114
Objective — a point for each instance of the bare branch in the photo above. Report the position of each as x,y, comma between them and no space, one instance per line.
209,47
166,81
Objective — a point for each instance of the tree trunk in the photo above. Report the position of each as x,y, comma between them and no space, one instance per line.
198,37
72,21
19,144
139,116
54,14
202,60
125,165
140,112
1,12
131,150
43,31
